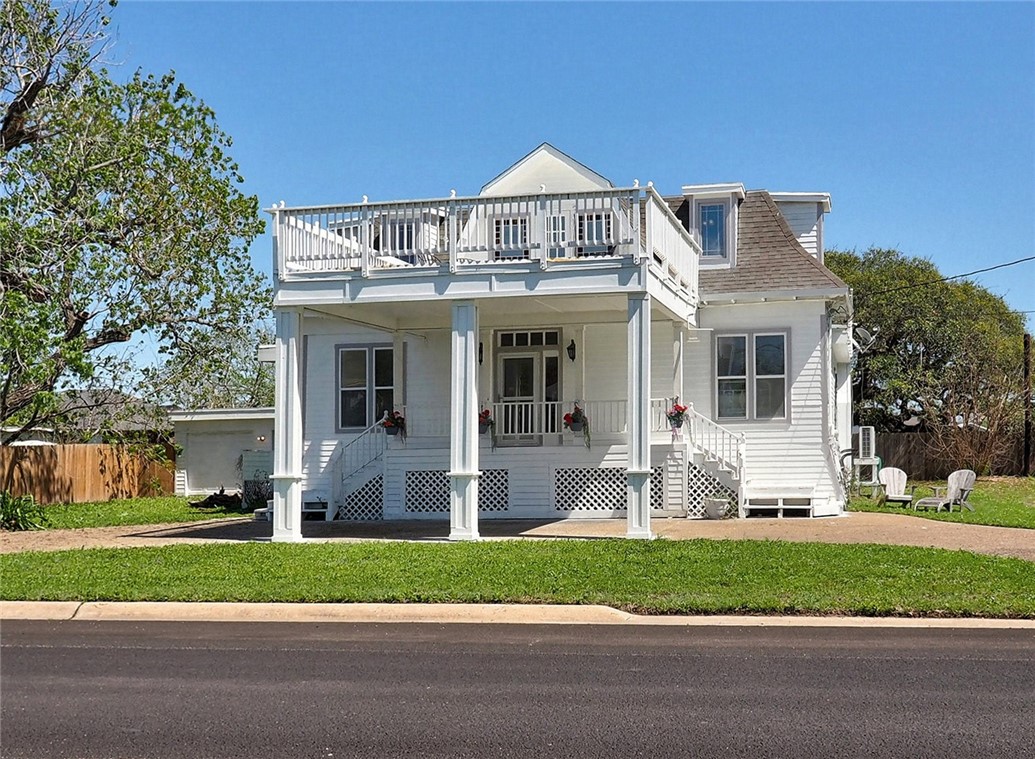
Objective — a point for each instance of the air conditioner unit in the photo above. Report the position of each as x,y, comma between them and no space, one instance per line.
867,443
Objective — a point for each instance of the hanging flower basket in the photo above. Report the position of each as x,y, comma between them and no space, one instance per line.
577,421
676,416
487,424
394,424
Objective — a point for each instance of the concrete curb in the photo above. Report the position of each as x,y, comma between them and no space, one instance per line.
538,614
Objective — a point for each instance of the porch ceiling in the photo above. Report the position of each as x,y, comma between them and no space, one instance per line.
494,312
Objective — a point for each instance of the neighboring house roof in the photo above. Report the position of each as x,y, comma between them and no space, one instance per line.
769,256
110,410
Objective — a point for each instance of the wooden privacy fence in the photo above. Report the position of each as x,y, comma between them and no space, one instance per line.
913,453
81,473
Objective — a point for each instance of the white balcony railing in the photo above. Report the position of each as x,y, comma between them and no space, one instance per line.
463,232
517,419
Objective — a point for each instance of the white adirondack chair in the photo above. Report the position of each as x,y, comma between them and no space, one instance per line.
893,486
959,487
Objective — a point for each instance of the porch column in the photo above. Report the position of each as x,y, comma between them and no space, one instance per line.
287,429
638,524
463,426
678,339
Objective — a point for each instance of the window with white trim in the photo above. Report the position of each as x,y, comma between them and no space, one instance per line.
511,237
556,235
751,376
594,233
711,221
365,385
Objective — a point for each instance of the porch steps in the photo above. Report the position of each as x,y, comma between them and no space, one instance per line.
777,502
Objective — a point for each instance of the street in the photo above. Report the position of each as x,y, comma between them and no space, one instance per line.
121,689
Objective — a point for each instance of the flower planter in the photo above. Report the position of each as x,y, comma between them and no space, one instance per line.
576,426
391,430
677,425
483,427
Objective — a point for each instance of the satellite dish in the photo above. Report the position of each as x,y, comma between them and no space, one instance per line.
865,338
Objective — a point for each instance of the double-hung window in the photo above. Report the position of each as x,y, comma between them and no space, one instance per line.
711,219
365,385
751,376
556,235
593,233
511,237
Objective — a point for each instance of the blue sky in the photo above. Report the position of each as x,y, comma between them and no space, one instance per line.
919,119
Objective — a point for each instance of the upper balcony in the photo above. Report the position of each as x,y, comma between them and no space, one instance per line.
563,234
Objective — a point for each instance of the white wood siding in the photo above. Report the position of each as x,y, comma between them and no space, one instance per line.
781,453
806,221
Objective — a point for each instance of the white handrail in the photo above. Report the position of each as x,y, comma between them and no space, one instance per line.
366,447
728,448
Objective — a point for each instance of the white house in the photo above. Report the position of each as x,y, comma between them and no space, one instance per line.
551,288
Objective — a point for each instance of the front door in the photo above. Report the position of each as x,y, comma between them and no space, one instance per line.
529,387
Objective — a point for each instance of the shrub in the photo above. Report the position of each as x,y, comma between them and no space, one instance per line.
21,512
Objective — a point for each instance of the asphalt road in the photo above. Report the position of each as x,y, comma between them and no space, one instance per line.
120,689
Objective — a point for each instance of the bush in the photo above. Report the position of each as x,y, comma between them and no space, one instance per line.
21,513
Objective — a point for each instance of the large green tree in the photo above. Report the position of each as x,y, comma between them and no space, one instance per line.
121,215
946,355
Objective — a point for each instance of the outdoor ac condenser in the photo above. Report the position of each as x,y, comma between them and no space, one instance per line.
867,444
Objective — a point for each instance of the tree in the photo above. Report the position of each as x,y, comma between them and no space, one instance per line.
946,354
227,375
121,216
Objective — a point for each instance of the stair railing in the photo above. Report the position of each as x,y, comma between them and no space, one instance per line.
367,447
726,447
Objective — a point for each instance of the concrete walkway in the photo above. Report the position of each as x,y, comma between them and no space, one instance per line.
860,527
505,614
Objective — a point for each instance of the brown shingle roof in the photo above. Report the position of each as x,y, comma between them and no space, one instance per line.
769,256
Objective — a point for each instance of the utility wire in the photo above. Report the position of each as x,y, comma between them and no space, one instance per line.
954,276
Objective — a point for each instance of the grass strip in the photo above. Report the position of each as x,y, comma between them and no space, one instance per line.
131,511
656,577
998,502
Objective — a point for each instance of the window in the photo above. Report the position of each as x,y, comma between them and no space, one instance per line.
751,376
511,237
365,385
594,233
556,235
712,223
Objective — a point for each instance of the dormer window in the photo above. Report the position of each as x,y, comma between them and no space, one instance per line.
712,223
711,217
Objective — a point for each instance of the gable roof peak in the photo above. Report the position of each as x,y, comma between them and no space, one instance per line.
545,163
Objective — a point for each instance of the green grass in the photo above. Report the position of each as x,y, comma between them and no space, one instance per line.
130,511
658,577
997,501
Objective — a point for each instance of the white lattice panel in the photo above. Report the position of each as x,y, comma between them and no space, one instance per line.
657,487
427,491
702,484
601,489
366,504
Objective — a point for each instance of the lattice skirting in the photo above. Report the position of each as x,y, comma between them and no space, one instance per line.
427,491
703,484
585,489
367,504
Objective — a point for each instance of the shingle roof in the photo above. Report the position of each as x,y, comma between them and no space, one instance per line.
769,256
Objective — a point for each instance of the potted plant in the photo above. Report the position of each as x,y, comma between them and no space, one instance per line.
677,415
394,423
577,421
485,421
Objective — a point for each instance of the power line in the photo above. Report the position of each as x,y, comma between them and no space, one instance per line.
954,276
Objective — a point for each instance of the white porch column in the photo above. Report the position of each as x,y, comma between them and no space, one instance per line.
463,426
678,340
638,524
287,429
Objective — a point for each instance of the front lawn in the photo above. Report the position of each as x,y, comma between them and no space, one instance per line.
129,511
997,501
657,577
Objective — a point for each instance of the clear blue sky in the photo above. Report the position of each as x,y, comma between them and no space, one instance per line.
919,119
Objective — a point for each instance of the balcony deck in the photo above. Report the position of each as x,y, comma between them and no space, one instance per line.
574,235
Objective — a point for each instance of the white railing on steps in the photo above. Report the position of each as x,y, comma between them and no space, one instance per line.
725,447
367,447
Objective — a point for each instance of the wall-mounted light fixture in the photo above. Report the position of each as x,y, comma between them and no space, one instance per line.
571,350
480,353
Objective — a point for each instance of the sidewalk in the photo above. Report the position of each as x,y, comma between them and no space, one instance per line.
857,527
504,614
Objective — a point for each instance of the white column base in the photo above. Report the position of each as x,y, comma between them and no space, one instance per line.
638,514
463,505
287,509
